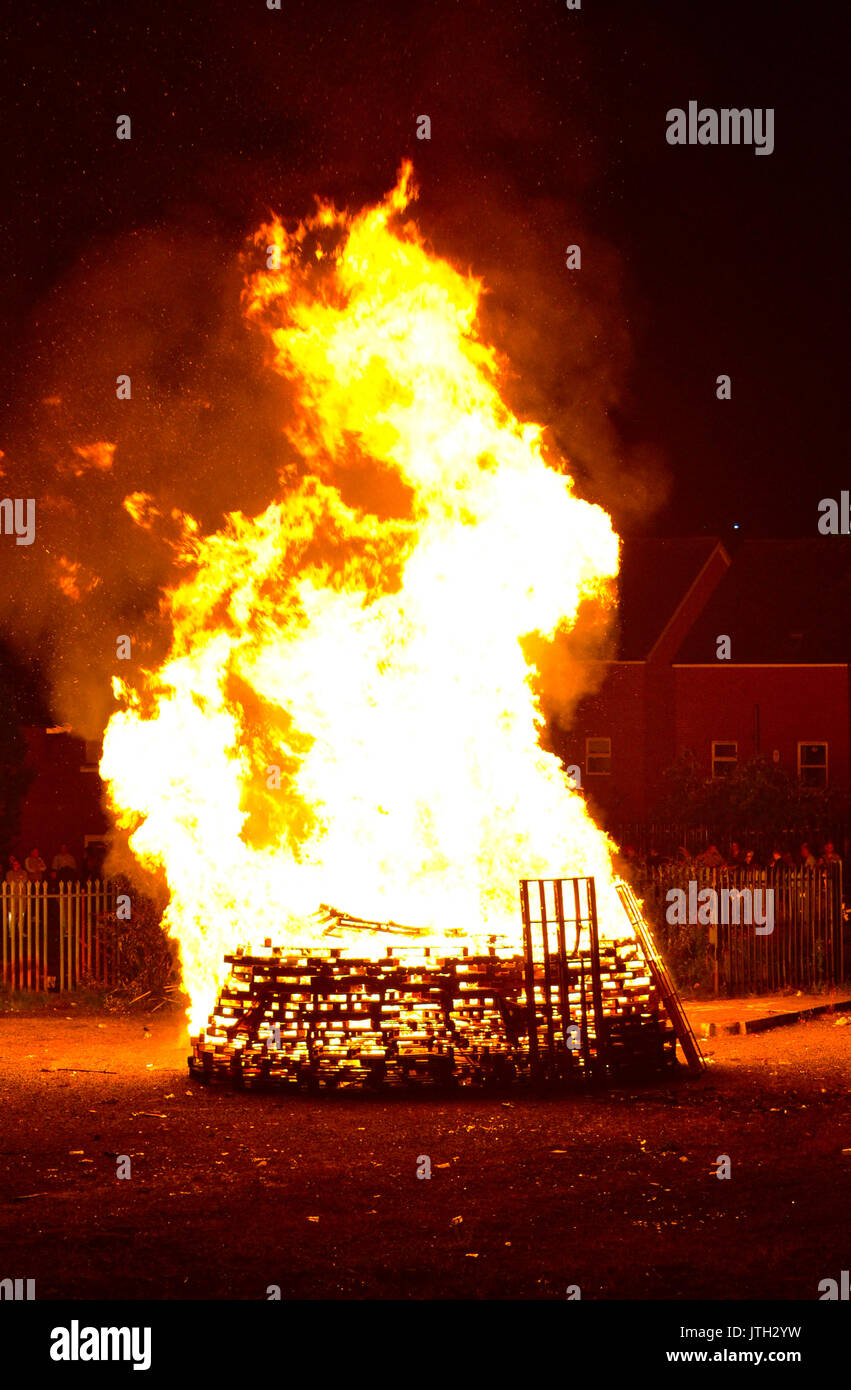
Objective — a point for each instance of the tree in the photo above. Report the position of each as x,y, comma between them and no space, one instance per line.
760,799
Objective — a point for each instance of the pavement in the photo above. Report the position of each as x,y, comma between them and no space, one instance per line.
712,1017
114,1182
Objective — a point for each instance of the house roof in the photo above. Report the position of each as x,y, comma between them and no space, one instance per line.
655,577
780,601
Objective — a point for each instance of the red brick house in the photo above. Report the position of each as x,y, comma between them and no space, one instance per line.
778,687
782,693
64,800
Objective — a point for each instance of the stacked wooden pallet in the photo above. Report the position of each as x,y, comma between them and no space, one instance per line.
319,1018
632,1037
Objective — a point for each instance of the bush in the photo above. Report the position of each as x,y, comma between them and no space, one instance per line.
761,800
145,960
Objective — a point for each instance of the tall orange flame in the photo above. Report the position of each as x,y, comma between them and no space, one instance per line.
375,663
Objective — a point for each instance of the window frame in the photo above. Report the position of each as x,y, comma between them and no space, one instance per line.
715,758
89,766
814,743
595,771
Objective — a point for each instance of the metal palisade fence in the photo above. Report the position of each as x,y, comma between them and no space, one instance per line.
63,936
806,948
58,936
666,838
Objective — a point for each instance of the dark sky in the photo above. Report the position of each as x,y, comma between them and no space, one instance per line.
548,127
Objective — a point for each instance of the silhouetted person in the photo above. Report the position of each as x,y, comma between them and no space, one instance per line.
35,866
16,874
711,858
64,864
91,864
776,859
17,879
807,859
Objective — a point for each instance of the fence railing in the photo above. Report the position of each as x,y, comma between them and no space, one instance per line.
62,938
807,948
666,837
57,939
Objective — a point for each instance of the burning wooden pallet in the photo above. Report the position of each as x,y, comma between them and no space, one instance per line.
321,1018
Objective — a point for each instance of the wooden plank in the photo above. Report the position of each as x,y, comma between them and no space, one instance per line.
688,1041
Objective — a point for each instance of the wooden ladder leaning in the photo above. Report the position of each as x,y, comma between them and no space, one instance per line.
662,979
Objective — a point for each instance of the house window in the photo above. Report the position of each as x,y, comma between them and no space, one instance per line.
93,755
598,757
724,759
812,764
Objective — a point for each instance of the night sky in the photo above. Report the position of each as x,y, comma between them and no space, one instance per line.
548,128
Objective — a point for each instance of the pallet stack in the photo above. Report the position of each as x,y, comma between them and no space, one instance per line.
324,1019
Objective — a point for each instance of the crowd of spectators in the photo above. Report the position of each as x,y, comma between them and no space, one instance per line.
63,867
739,856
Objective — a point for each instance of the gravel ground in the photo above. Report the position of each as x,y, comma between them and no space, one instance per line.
229,1194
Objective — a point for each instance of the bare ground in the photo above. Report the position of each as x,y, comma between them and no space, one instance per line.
231,1193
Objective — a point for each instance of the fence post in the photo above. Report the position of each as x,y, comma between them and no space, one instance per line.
841,926
78,935
20,944
39,899
87,953
98,930
66,944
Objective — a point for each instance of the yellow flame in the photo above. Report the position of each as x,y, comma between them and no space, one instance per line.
346,713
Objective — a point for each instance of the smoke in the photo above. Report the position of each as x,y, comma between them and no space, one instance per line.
564,336
568,351
505,188
200,436
203,434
